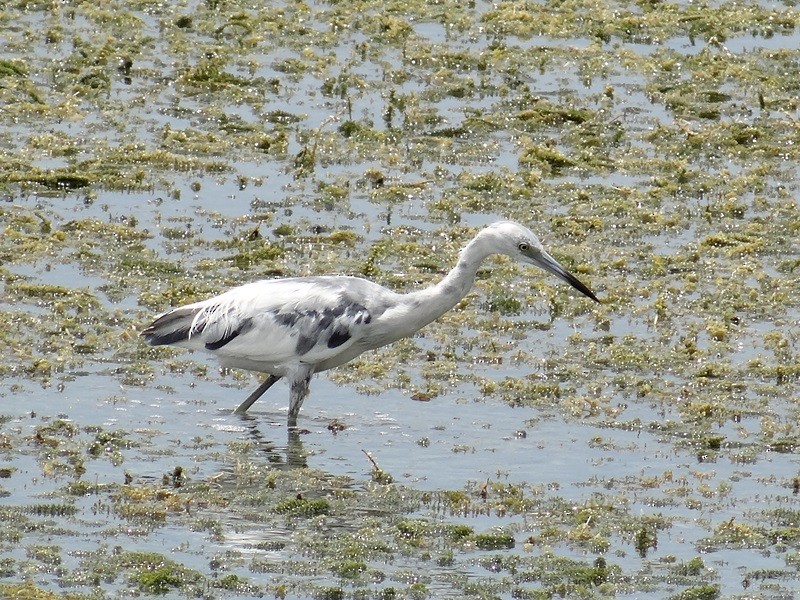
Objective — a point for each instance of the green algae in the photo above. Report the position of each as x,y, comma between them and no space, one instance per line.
160,580
494,541
29,591
699,592
711,179
303,507
155,573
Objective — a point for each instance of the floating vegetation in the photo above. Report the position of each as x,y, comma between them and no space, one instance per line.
303,507
152,157
494,541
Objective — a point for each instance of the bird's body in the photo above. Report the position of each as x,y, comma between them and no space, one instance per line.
296,327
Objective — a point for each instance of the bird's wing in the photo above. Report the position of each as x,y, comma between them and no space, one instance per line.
274,322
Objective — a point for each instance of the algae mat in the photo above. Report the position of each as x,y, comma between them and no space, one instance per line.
527,445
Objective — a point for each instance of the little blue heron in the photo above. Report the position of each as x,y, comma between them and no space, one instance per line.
299,326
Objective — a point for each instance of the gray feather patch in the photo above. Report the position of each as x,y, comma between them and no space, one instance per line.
243,327
331,327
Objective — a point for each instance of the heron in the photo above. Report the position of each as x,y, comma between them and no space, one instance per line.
295,327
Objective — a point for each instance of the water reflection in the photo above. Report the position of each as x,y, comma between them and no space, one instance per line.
291,456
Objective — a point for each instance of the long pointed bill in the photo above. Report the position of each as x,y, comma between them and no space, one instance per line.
551,265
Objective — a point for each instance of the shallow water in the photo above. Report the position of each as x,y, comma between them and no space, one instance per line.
468,441
657,432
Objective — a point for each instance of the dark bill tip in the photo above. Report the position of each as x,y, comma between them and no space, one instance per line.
550,264
578,285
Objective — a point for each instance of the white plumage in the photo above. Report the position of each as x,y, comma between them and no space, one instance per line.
299,326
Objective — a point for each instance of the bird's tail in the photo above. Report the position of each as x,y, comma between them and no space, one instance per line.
173,327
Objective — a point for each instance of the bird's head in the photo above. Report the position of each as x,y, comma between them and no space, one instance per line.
520,243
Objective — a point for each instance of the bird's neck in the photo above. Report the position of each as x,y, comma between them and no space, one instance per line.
429,304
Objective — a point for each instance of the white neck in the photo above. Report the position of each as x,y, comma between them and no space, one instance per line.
427,305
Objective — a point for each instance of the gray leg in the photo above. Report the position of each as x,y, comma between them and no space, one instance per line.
298,393
259,391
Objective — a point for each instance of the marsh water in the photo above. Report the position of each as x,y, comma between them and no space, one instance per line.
529,444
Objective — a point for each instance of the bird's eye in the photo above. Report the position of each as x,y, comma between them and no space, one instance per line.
523,246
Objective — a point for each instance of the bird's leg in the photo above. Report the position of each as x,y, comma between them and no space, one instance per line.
259,391
298,392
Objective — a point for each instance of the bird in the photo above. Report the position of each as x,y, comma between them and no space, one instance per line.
295,327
